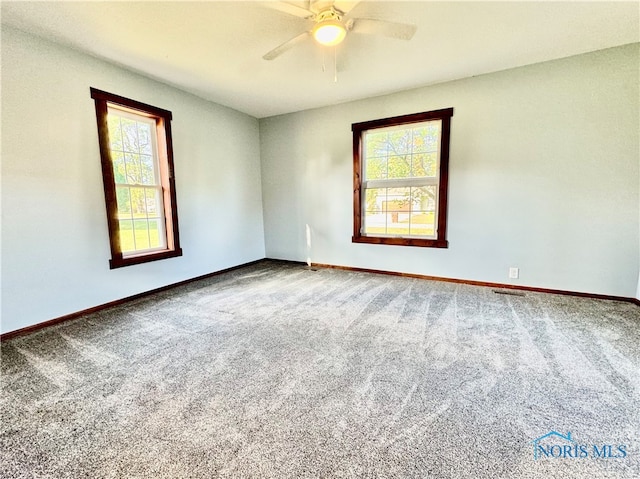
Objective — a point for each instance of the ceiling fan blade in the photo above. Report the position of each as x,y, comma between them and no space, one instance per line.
369,26
345,6
279,50
294,9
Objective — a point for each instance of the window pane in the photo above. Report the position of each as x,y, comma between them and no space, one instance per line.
153,201
141,229
424,198
156,234
376,169
420,139
399,199
399,166
422,223
375,223
432,137
124,202
144,138
132,161
147,170
126,236
424,164
400,142
119,172
374,198
398,207
115,132
398,228
129,135
376,144
375,220
138,203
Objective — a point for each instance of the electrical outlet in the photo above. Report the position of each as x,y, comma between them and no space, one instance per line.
514,273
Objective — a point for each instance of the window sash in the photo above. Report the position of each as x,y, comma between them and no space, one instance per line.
114,111
149,218
400,182
387,211
153,124
404,182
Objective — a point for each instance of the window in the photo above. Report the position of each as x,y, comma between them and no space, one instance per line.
139,186
400,179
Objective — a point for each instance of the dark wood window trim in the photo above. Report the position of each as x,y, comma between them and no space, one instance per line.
165,153
358,129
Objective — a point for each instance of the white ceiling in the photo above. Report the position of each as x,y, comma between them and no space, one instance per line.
214,49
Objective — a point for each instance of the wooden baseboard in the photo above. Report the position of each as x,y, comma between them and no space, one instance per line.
68,317
482,283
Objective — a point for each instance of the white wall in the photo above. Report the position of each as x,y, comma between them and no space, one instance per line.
55,245
638,287
543,176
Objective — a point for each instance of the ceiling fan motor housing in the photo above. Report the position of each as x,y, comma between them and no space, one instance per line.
329,29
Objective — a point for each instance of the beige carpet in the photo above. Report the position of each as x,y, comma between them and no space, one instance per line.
278,371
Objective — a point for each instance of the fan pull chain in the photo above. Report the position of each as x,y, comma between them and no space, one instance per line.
324,68
335,64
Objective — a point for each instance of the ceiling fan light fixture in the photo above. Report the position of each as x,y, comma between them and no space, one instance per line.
329,32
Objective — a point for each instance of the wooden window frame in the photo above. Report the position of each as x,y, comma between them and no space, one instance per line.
165,158
358,130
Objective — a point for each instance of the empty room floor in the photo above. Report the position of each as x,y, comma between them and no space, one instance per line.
279,370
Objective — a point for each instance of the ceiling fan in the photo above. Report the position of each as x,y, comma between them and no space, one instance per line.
332,23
